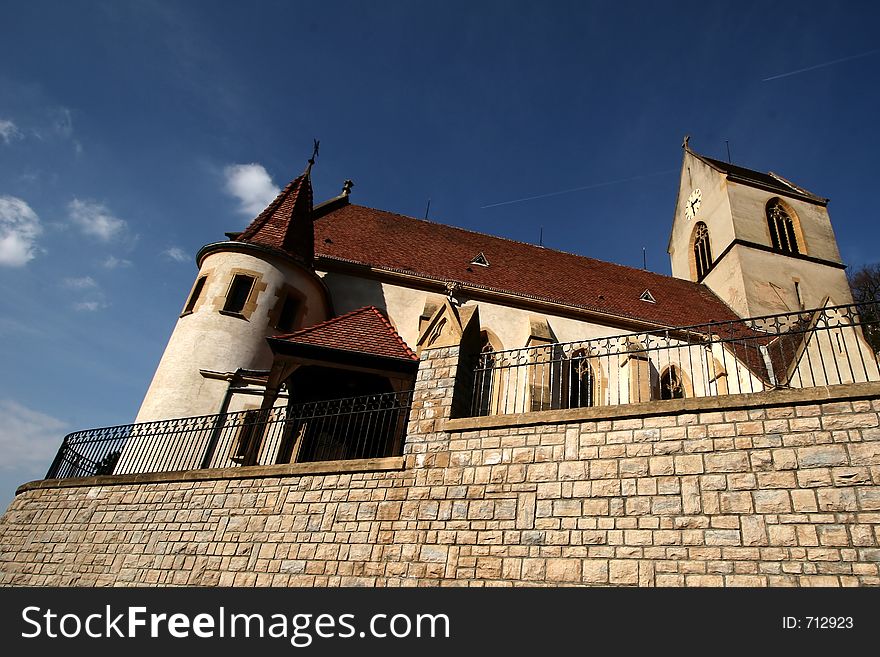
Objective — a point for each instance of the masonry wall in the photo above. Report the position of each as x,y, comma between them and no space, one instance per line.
775,489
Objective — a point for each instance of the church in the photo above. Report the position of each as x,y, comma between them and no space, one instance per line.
336,301
352,397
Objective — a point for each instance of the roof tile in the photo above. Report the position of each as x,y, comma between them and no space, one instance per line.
365,330
286,223
358,234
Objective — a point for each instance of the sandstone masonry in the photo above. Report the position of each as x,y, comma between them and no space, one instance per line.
771,489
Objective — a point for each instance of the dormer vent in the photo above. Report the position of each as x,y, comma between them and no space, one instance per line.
480,259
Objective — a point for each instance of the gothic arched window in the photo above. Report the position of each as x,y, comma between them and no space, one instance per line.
782,229
580,389
485,374
671,383
702,249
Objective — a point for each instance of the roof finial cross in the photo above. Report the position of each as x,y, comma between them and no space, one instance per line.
684,144
317,144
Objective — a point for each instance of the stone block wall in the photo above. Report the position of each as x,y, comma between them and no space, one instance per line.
771,489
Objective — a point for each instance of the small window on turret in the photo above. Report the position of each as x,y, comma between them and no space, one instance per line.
287,317
194,295
238,294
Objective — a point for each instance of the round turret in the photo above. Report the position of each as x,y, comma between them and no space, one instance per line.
259,284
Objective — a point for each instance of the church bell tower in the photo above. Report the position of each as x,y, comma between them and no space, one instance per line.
763,244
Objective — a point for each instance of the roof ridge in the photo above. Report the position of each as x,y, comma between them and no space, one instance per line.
365,310
286,224
331,320
393,330
711,161
529,244
269,210
789,183
724,167
466,230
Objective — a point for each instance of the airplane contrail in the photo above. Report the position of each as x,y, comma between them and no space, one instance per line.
823,65
578,189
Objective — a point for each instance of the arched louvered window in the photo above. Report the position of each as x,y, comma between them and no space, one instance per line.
782,230
702,250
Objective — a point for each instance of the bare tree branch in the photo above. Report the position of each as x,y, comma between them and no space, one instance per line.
865,286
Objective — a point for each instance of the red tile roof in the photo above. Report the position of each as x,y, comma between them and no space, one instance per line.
286,223
365,330
357,234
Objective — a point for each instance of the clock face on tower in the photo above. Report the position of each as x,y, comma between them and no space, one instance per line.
692,205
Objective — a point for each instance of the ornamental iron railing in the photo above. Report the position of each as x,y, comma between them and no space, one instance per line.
369,426
824,346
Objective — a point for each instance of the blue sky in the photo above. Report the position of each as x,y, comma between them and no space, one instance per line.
133,133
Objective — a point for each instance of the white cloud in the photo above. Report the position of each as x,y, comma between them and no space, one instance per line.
84,283
252,185
28,438
112,262
94,296
89,306
19,228
95,220
176,253
9,131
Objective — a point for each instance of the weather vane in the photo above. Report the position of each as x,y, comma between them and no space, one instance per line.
315,148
